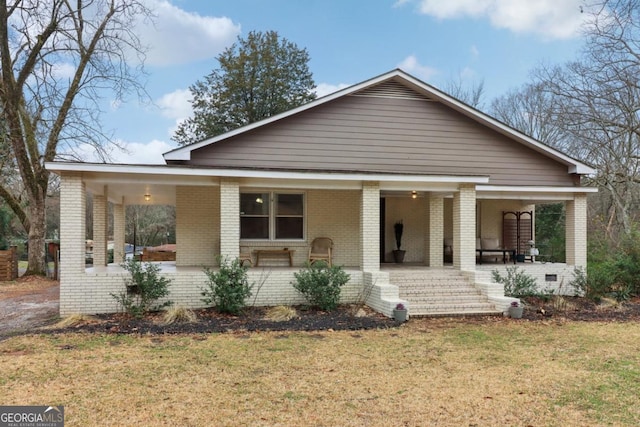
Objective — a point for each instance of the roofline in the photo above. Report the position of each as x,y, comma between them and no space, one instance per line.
170,170
574,166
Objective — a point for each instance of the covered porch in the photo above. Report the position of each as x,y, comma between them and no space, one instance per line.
345,207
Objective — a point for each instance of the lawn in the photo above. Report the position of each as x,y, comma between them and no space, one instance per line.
440,372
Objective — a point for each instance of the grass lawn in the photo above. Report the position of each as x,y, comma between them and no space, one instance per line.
428,372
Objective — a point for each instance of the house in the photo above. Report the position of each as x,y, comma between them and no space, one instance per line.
346,166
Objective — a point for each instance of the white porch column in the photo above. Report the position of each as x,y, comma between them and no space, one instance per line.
100,228
370,227
436,231
229,218
464,228
118,232
72,225
576,230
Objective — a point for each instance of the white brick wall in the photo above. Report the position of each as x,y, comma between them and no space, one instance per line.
197,225
464,228
576,230
118,232
100,224
370,227
229,218
436,231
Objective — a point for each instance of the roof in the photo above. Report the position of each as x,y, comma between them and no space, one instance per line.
573,165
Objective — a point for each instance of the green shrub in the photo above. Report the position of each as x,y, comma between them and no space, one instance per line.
228,288
321,284
516,283
143,289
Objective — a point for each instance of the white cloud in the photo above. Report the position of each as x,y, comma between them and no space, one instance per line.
142,153
180,37
411,65
326,88
552,19
176,105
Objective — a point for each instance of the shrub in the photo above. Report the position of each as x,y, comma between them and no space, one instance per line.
143,289
228,288
179,315
321,285
516,283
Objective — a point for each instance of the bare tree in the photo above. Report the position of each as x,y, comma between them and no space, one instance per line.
469,94
56,58
597,103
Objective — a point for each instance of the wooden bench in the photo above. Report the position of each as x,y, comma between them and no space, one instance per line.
274,253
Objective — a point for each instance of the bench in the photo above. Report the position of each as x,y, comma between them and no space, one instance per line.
502,251
274,253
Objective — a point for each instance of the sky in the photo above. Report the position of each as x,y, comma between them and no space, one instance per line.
497,42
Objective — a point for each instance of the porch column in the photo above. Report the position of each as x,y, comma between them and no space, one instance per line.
72,225
100,224
436,231
576,230
229,218
464,228
118,232
370,227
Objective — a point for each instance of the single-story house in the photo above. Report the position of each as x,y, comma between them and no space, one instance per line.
346,166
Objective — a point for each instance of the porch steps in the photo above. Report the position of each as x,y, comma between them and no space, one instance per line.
441,292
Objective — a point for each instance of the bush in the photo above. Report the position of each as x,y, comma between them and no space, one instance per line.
143,289
516,283
228,288
321,284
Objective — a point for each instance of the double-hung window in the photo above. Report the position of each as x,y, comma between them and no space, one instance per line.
272,216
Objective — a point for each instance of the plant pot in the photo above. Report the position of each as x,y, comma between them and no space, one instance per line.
398,256
520,258
516,312
400,315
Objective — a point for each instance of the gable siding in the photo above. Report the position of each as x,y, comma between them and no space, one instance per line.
383,134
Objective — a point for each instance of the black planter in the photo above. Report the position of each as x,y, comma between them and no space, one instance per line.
398,256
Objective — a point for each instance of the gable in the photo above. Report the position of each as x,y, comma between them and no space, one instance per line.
386,128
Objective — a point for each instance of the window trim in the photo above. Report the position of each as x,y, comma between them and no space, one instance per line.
272,214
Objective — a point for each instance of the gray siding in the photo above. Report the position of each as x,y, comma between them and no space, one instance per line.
383,134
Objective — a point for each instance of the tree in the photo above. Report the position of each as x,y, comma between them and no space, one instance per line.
596,102
471,96
530,110
259,76
55,57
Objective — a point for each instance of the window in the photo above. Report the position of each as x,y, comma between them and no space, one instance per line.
272,216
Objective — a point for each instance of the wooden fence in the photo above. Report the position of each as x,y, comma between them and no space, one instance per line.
9,264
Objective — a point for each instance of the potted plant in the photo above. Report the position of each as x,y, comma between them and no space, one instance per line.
400,313
398,254
515,310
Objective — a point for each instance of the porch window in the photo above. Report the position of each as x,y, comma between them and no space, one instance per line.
272,216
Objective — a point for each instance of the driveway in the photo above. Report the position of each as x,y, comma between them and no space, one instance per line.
27,303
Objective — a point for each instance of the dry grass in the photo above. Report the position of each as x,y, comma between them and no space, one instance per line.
428,372
179,314
24,286
74,320
280,313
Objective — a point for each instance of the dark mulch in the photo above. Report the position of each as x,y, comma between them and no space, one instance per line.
581,309
251,319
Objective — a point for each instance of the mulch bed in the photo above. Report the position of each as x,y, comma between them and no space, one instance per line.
252,319
581,309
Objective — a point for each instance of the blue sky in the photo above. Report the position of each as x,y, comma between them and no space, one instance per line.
495,41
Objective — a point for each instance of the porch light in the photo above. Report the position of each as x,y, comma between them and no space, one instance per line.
259,200
414,194
147,197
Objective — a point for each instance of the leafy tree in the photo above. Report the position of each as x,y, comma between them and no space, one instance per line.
259,76
55,56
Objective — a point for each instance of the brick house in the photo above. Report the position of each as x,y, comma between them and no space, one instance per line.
346,166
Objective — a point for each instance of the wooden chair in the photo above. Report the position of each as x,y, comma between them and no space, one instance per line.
245,255
321,250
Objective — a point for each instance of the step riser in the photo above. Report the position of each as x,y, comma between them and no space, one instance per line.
441,294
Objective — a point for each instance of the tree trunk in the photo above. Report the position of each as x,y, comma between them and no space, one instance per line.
37,232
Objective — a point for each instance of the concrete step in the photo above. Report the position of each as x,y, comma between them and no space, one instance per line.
446,299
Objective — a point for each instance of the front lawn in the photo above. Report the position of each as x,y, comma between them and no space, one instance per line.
427,372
